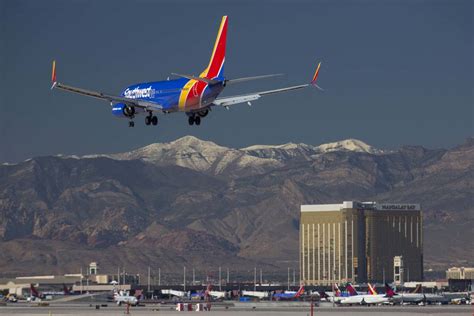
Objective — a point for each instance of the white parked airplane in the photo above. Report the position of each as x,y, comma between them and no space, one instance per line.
362,299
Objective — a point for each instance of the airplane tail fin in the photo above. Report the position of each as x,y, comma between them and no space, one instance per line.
315,77
417,289
372,289
216,64
389,291
300,291
351,289
53,75
66,290
34,291
336,291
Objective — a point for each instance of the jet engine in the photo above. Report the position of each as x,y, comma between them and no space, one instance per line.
123,110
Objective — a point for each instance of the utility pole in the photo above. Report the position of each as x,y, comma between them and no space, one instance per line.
148,279
383,270
184,279
288,278
255,279
124,276
81,280
228,276
294,277
220,279
194,277
261,279
159,276
118,275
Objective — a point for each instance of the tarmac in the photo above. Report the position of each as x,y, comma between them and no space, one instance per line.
259,309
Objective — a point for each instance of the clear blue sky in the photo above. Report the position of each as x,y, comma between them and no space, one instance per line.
394,72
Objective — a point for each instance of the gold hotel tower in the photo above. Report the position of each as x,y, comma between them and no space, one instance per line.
357,242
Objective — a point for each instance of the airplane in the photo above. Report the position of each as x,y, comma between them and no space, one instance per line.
289,295
362,299
335,296
415,297
193,95
125,298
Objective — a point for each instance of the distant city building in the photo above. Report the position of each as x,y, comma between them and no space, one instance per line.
93,268
398,270
358,242
461,273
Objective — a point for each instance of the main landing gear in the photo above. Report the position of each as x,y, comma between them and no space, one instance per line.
195,117
194,120
151,119
131,124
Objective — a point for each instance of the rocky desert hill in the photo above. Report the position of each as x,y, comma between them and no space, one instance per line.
192,202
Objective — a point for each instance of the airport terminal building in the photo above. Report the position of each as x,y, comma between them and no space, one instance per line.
358,242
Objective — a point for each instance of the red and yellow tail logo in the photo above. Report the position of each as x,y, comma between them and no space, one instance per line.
216,64
372,289
300,291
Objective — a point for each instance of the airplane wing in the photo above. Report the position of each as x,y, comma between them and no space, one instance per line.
226,101
239,80
147,105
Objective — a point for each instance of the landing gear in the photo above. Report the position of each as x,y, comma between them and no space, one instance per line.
131,124
195,117
151,119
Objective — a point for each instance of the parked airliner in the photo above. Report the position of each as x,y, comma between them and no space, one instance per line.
193,95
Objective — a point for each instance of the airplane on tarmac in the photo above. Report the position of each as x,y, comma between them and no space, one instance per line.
193,95
361,299
416,297
122,297
289,295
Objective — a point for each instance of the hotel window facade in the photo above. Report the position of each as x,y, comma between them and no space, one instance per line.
357,242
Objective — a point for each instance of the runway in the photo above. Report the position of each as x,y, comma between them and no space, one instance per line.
84,309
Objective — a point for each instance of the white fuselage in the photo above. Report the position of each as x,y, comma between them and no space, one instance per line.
364,299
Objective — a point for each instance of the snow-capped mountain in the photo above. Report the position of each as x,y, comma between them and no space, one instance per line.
206,156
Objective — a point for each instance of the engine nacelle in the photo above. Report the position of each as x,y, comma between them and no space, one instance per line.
123,110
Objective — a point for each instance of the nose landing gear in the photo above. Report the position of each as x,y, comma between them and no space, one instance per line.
151,119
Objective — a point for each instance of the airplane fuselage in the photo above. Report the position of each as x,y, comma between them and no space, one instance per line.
179,95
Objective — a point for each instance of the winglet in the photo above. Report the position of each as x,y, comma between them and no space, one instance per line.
53,75
315,77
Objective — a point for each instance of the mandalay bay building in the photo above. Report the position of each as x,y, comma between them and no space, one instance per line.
357,242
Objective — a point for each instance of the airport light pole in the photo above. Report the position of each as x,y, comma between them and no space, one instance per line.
288,279
255,279
261,279
220,279
148,279
228,276
184,278
159,276
194,277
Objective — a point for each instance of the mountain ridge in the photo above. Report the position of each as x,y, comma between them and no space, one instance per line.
192,201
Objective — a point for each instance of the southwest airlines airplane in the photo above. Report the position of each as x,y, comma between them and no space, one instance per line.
192,95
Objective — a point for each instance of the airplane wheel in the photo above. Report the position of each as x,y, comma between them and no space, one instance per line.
191,120
154,120
197,120
131,124
148,120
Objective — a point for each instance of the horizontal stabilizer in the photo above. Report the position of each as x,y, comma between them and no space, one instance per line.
239,80
206,80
